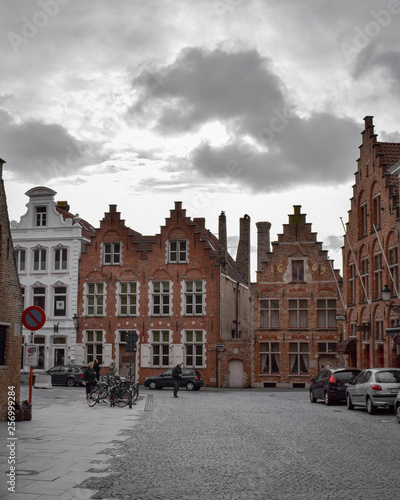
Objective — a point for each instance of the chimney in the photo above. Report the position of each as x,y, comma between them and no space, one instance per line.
263,243
243,251
64,205
1,168
222,239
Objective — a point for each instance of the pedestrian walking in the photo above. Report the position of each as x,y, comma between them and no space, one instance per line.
113,367
96,368
177,377
89,376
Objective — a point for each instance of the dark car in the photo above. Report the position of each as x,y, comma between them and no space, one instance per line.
397,407
331,384
65,375
191,379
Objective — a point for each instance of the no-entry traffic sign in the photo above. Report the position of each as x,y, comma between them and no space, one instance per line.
33,318
396,339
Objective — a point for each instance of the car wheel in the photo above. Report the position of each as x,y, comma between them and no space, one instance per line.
370,407
312,398
327,400
349,403
70,382
152,385
190,386
397,410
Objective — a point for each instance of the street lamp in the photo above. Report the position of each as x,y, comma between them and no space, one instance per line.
75,319
386,294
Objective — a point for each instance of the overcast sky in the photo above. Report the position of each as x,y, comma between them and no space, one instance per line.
246,106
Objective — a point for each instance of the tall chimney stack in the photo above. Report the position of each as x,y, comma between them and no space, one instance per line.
263,242
243,251
222,239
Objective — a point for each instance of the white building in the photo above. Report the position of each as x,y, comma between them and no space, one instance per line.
48,242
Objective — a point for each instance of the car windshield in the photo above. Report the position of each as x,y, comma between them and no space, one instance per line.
388,377
345,376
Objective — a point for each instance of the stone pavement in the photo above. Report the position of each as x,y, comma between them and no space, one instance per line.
65,443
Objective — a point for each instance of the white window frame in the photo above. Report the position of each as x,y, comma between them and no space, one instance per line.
97,344
21,263
326,312
40,216
160,347
298,313
161,298
35,296
269,313
194,346
297,356
268,356
178,255
132,298
62,298
98,302
60,264
112,255
194,298
42,263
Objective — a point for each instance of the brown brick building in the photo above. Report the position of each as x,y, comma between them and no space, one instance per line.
10,310
180,291
295,301
371,255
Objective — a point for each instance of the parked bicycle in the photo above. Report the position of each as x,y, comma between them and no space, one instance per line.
114,390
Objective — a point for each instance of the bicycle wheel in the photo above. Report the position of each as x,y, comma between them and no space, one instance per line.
93,398
121,397
133,393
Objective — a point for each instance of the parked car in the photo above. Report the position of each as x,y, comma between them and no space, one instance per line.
65,375
397,407
331,383
191,379
374,388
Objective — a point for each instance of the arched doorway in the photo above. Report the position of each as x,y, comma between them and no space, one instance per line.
235,373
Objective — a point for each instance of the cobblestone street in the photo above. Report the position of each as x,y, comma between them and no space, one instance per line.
253,444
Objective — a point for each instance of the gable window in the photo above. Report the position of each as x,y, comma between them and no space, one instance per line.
39,297
39,259
128,299
326,311
193,298
60,301
94,346
160,347
112,254
194,348
298,358
95,299
20,259
269,313
298,313
269,357
177,251
160,298
297,270
41,216
60,259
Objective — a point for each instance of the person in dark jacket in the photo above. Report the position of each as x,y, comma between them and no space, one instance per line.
96,368
89,376
177,377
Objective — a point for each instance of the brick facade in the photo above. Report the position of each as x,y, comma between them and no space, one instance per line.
10,309
295,300
179,290
370,251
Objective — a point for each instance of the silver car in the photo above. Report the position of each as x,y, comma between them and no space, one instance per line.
374,388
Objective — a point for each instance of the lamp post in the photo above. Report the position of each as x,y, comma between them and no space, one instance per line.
386,294
75,319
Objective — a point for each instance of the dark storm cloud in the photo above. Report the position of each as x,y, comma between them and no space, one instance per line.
201,86
48,151
270,146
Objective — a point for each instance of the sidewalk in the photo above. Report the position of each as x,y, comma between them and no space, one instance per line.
65,443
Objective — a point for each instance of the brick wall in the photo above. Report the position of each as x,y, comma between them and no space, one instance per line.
10,308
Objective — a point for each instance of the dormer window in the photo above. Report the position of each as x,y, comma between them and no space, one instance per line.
177,251
41,216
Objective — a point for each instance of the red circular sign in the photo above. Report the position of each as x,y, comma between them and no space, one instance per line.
396,339
33,318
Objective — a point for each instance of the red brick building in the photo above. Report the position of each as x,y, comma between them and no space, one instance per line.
10,310
179,291
371,255
295,302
